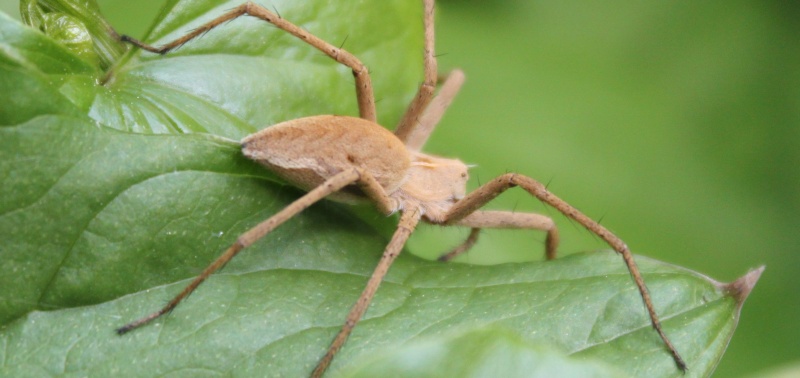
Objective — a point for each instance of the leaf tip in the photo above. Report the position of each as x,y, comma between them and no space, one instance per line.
742,287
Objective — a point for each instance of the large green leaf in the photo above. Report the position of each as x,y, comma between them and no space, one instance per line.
247,74
102,221
489,351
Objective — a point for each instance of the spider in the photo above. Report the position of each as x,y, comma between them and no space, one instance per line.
351,159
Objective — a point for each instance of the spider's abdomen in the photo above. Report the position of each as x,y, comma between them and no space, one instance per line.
308,151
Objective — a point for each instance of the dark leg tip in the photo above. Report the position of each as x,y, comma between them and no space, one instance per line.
123,330
681,365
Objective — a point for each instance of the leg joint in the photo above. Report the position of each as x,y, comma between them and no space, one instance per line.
359,173
509,179
241,242
357,71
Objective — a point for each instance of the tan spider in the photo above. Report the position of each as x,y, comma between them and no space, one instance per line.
352,159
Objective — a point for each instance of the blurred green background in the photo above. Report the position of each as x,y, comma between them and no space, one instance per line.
676,123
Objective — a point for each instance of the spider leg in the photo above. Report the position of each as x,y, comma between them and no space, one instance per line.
428,86
418,135
472,238
471,202
408,221
364,92
506,219
356,175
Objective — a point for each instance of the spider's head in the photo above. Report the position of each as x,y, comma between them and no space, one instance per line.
435,182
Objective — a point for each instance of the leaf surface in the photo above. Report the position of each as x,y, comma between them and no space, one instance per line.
102,221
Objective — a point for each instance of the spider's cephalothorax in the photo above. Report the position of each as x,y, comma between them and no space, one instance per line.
354,159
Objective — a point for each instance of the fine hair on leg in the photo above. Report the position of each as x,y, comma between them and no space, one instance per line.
506,220
433,114
335,183
409,218
479,197
428,86
364,91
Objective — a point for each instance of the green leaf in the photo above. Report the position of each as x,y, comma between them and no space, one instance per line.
488,351
77,25
102,221
247,74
